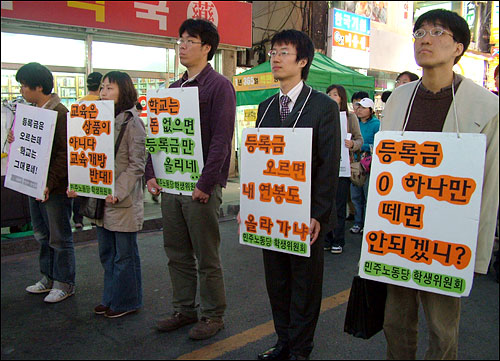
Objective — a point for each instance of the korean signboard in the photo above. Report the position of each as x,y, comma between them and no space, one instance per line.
174,138
29,155
161,18
91,151
255,82
275,198
422,215
350,38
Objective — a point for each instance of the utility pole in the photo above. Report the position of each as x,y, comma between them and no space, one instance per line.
318,24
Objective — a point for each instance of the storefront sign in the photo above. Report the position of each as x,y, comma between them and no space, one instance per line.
422,215
29,154
174,138
374,10
344,20
161,18
255,82
346,39
91,151
275,198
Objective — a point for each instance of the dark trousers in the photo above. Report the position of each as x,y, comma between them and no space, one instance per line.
294,285
337,236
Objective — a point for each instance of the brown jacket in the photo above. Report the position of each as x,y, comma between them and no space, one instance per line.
127,215
353,128
57,178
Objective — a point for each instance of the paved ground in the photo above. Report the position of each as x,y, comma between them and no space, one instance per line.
32,329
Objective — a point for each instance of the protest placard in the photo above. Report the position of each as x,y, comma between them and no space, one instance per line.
345,164
29,154
91,153
275,189
422,215
174,138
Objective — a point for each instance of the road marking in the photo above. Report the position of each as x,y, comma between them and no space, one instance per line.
235,342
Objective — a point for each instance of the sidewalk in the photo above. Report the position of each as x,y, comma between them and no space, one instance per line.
152,221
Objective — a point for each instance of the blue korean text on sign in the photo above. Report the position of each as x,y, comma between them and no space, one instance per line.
351,22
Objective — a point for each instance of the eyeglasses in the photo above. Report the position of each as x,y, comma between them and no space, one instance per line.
282,53
187,42
420,33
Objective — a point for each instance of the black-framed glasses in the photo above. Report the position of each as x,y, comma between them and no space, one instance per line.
187,42
420,33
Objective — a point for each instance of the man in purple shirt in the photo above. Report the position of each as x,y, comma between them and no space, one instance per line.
190,223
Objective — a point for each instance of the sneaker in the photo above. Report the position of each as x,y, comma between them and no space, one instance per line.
57,295
100,309
115,314
41,286
336,249
356,229
176,321
78,225
205,328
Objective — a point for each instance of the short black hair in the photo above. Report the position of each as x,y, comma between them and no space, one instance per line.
127,95
457,25
94,81
34,75
385,96
205,30
359,95
303,45
410,75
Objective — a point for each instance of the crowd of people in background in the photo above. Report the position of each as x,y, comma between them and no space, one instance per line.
190,223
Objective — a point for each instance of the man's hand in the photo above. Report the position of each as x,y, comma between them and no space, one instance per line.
200,196
45,195
314,230
10,136
153,187
111,199
71,194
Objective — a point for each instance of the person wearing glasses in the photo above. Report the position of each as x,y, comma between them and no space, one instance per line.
294,283
441,38
191,223
406,77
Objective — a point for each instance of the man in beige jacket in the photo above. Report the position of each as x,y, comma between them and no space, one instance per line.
441,38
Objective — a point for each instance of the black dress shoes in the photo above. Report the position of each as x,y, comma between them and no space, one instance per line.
277,352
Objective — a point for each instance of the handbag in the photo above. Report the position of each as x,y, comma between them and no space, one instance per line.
366,162
358,174
93,208
365,309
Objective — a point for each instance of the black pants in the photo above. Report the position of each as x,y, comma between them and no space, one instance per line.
294,285
337,236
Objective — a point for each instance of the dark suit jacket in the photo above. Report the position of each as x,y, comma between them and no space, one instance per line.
322,114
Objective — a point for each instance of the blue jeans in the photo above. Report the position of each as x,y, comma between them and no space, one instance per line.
52,229
122,270
359,196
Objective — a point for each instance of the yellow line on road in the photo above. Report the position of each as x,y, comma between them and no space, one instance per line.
235,342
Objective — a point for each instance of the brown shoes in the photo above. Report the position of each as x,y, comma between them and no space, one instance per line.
100,309
206,328
173,323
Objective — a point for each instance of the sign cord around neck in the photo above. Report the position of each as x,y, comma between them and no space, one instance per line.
453,101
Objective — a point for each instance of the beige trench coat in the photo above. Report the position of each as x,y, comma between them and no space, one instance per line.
127,215
477,110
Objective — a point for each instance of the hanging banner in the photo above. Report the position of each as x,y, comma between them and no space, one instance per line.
422,215
345,163
275,198
174,138
255,82
29,154
91,148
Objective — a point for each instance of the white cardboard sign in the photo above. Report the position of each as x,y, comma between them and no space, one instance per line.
275,189
422,215
91,148
345,164
29,154
174,138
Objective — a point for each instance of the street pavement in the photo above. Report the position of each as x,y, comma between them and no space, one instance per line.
32,329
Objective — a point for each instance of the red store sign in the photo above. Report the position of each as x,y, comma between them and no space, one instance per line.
232,18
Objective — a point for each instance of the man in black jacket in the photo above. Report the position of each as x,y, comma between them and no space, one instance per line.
294,283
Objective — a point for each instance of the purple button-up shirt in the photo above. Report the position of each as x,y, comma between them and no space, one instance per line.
217,113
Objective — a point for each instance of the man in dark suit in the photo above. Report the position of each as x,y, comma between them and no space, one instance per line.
294,283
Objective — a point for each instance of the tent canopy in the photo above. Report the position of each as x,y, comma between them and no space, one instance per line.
323,73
